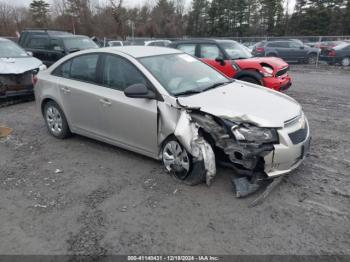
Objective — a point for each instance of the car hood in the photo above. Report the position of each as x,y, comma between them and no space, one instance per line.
18,65
242,102
275,62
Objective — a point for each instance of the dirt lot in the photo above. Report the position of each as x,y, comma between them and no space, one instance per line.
81,196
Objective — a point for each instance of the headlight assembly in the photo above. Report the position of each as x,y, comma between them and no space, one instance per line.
251,134
267,72
42,67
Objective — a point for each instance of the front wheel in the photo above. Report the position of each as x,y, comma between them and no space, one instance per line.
250,80
176,159
345,61
311,59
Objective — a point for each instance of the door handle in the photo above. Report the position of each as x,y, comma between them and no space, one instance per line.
105,102
65,90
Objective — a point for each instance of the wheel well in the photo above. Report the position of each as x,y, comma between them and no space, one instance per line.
44,102
251,73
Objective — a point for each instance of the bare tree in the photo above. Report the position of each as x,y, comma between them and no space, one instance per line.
118,15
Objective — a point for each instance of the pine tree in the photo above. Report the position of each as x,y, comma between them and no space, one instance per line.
198,18
39,10
346,19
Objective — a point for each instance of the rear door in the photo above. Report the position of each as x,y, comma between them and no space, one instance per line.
297,51
80,93
209,53
131,122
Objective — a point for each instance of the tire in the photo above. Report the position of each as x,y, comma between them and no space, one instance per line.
345,61
176,159
249,80
55,120
311,59
272,55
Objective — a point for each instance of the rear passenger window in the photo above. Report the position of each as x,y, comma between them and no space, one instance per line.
39,43
118,73
210,52
63,70
188,48
84,68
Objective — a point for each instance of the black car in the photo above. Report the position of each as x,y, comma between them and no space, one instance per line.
49,46
339,54
289,50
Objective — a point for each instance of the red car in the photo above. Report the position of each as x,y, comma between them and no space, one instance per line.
236,61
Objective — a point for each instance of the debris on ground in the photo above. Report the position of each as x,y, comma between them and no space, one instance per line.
58,171
5,131
243,187
267,191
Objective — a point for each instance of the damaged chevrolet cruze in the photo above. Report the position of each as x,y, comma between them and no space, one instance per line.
168,105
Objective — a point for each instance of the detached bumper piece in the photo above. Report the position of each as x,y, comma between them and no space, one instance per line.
243,187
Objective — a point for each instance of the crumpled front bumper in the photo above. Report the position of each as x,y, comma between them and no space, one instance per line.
288,155
281,83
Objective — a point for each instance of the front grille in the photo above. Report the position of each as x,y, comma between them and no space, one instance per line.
282,71
299,135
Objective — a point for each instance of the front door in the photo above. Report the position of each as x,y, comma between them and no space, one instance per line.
210,53
128,121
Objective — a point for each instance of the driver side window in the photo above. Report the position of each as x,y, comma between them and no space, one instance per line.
294,45
118,73
209,51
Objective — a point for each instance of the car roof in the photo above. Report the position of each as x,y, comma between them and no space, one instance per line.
203,40
4,39
142,51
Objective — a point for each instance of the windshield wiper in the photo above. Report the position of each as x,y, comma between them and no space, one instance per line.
72,50
216,85
188,92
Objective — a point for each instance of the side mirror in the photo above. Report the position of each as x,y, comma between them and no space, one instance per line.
302,47
29,53
139,91
220,60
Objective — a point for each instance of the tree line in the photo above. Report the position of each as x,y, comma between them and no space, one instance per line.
171,18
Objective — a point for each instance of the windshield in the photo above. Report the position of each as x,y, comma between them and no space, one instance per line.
182,74
236,50
340,46
79,43
10,49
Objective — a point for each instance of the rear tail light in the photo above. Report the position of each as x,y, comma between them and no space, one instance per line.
260,49
332,53
34,79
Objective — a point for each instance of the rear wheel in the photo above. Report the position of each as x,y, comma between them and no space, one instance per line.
250,80
311,59
345,61
176,159
55,120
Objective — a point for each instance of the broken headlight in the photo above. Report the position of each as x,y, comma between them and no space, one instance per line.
249,133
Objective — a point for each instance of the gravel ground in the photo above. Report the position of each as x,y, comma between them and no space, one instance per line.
79,196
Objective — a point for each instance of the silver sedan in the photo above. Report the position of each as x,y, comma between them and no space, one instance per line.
168,105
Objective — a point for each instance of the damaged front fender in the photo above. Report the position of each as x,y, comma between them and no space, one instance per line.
187,132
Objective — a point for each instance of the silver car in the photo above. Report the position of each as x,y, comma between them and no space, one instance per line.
168,105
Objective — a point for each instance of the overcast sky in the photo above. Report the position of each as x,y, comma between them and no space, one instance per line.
127,2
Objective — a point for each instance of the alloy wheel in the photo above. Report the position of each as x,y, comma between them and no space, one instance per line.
54,120
345,61
175,158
